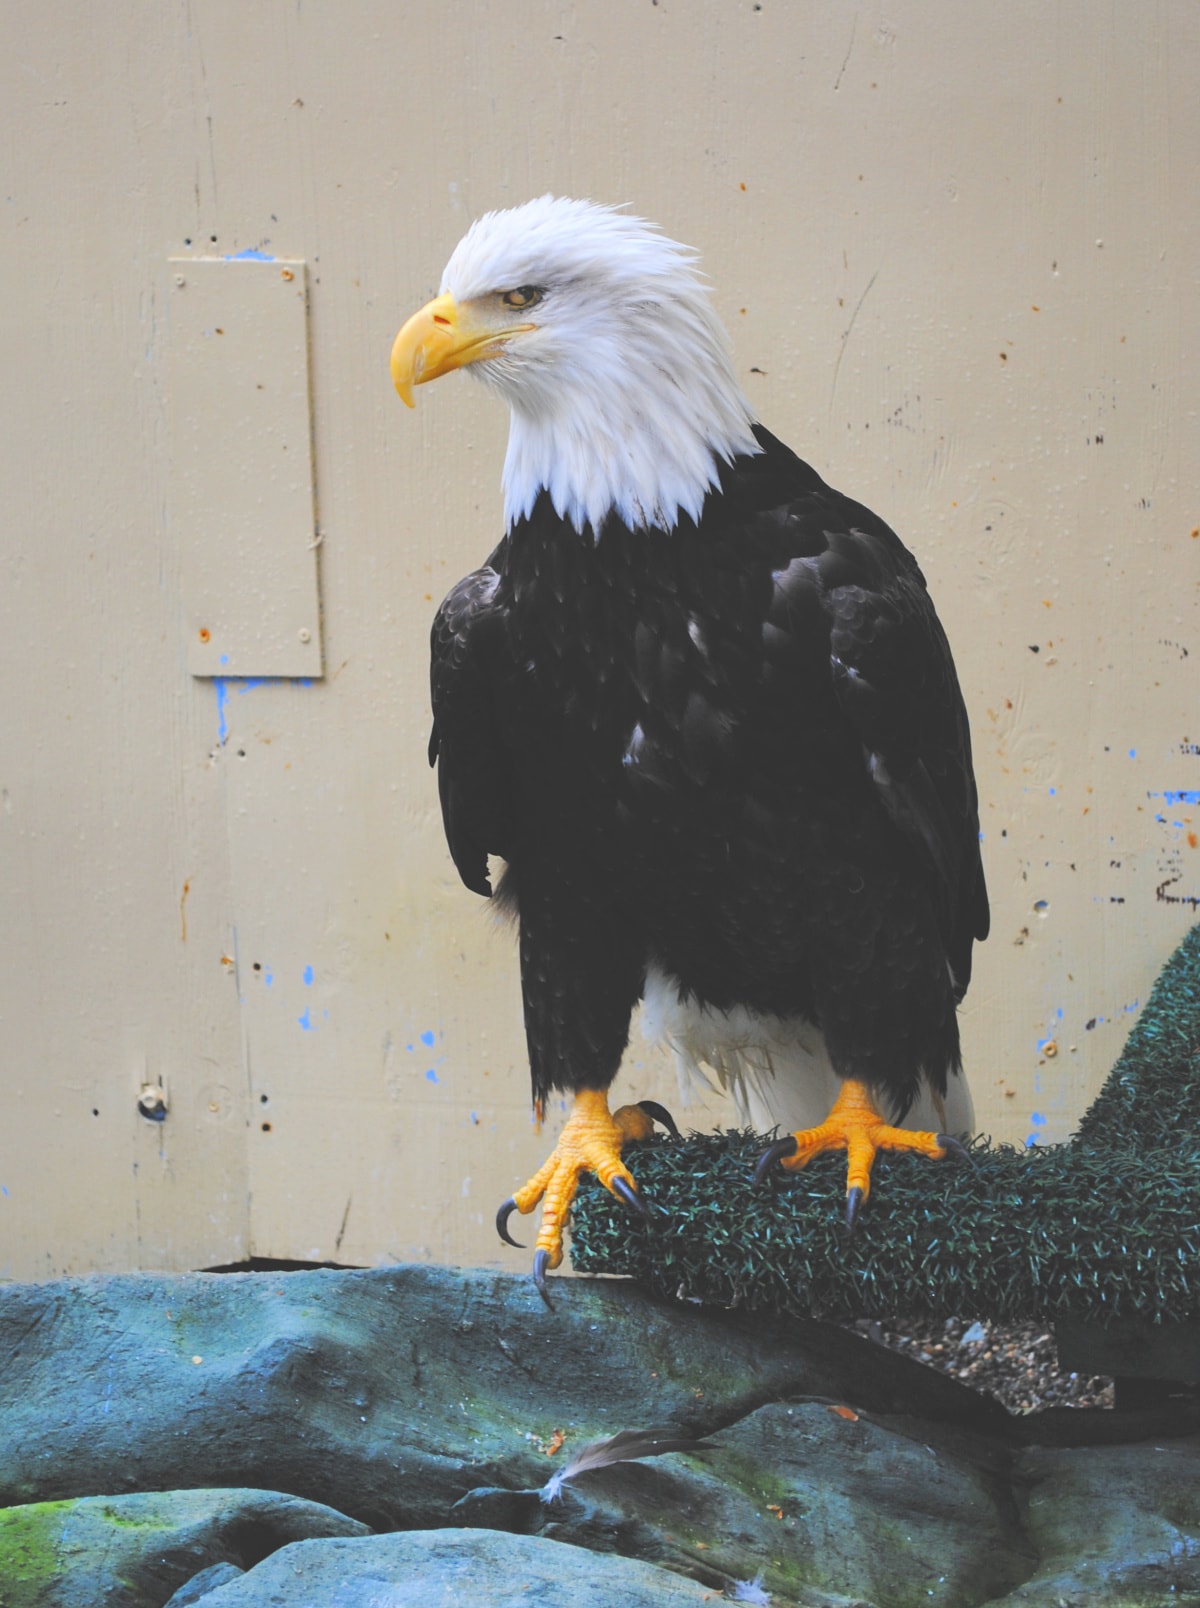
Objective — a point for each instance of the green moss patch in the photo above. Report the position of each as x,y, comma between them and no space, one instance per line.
30,1551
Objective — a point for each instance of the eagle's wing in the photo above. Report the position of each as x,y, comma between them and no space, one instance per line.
465,647
895,682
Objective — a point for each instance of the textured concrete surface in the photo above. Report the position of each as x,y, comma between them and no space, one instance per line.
203,1438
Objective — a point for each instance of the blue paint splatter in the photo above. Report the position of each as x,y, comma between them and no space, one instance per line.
308,976
1133,753
306,1023
1053,792
243,685
431,1076
251,254
1183,795
3,1189
224,658
268,978
1037,1119
428,1040
222,686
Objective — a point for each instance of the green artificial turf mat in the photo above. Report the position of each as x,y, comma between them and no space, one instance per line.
1106,1226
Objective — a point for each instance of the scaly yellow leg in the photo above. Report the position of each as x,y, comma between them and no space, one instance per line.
591,1142
855,1125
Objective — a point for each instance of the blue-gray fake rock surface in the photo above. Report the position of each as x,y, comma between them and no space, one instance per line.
153,1429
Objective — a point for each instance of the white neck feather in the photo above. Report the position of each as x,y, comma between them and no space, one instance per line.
623,395
643,439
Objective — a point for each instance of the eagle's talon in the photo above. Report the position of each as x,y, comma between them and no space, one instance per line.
660,1114
854,1124
502,1217
629,1197
956,1149
774,1152
541,1262
591,1141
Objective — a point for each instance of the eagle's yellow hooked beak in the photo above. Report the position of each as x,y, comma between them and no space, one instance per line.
444,336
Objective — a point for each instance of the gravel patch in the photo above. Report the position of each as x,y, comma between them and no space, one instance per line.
1015,1362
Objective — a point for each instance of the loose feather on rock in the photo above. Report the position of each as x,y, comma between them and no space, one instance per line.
626,1446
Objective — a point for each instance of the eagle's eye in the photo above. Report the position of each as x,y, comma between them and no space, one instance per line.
524,296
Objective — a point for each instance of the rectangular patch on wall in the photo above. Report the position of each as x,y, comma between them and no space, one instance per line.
243,504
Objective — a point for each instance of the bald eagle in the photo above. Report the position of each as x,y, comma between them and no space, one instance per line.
701,706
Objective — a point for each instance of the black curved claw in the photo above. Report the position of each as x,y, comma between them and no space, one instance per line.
956,1148
502,1217
774,1152
541,1262
629,1197
660,1114
854,1200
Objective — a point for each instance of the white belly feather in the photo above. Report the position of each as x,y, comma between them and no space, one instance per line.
776,1068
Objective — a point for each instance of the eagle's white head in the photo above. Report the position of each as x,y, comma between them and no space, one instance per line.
599,333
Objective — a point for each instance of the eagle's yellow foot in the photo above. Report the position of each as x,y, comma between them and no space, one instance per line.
591,1142
854,1125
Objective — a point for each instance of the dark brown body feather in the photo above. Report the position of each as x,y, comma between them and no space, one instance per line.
737,751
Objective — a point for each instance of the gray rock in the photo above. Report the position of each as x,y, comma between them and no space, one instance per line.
450,1569
387,1394
428,1402
200,1585
816,1502
1112,1524
136,1551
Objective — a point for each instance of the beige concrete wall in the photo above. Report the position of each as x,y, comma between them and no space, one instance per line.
957,248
